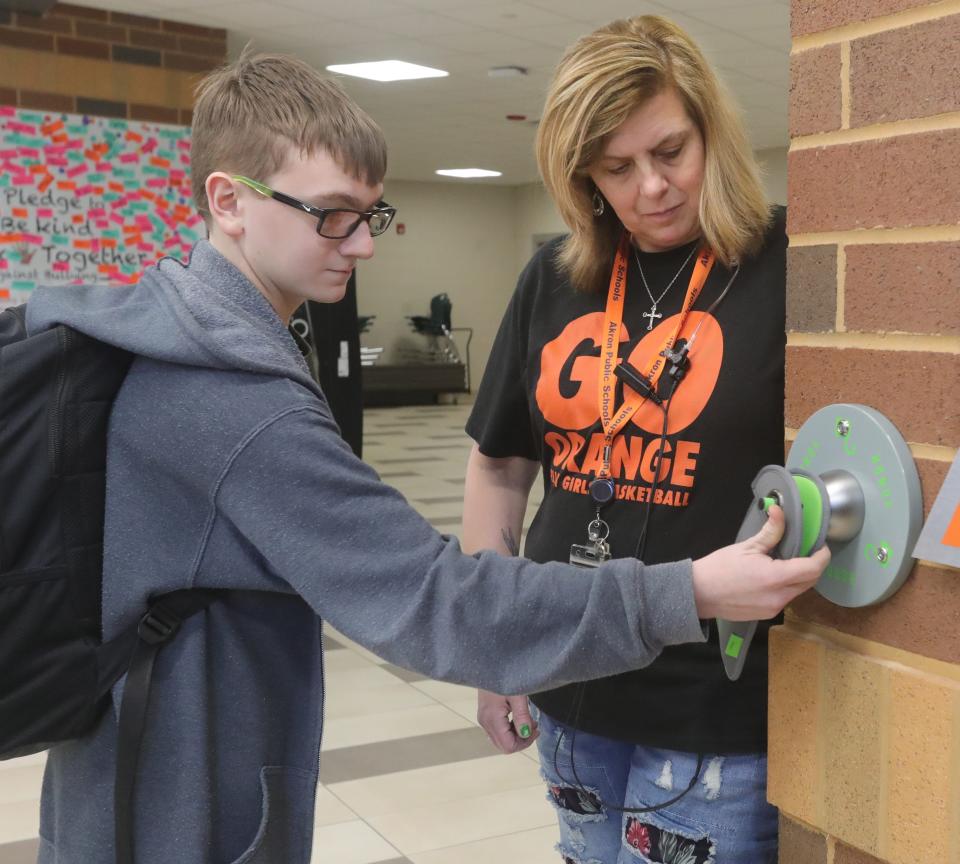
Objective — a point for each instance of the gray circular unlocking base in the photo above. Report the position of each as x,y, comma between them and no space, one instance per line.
872,565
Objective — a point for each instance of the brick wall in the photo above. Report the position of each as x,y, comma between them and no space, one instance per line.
110,64
865,703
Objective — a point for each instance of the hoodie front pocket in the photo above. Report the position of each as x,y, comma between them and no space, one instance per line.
286,818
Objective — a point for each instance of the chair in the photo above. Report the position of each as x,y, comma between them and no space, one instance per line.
438,328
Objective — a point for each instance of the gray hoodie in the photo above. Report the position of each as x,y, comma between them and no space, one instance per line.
225,469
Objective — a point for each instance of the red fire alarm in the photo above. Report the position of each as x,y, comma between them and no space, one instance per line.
401,228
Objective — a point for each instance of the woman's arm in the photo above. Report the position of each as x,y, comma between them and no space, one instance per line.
494,502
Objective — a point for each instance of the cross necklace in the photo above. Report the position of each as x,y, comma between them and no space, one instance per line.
653,309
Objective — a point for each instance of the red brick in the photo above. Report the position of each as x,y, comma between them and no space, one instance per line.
188,62
101,107
101,31
844,854
26,39
83,48
8,96
812,16
135,20
904,73
799,844
812,288
916,390
932,474
47,23
923,617
194,30
139,56
155,40
909,287
154,113
79,11
815,91
204,47
47,101
897,182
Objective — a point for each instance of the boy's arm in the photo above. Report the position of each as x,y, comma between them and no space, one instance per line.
321,521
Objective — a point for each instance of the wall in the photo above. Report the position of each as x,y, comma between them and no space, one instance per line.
535,215
865,703
459,239
109,64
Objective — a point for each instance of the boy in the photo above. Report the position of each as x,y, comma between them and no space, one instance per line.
225,470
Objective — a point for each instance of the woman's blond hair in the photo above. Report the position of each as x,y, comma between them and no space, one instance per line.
247,115
598,83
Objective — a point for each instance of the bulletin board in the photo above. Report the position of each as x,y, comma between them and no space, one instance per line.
89,199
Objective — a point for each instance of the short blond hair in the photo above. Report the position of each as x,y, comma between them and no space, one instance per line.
600,80
248,113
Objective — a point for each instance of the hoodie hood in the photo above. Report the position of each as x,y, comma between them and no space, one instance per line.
205,313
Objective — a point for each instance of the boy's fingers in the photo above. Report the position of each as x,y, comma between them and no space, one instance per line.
771,532
806,571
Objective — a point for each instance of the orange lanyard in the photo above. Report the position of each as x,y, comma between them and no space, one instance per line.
613,321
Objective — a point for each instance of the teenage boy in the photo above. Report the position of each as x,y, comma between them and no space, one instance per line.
226,470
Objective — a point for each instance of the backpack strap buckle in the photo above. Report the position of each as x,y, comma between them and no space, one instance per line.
157,626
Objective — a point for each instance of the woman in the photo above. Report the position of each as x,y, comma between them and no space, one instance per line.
640,368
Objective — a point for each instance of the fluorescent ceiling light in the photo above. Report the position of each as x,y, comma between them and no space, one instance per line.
468,172
388,70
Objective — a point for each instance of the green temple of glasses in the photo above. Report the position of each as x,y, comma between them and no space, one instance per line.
334,223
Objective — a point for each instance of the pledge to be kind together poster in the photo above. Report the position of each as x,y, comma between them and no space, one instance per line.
89,199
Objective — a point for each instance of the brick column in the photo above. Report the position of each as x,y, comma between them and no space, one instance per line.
865,703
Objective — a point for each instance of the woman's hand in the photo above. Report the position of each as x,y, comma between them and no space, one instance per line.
495,713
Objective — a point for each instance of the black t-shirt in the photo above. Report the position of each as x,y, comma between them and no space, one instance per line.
539,399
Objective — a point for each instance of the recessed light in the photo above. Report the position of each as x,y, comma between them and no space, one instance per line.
468,172
388,70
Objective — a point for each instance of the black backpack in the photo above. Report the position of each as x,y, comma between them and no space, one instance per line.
56,392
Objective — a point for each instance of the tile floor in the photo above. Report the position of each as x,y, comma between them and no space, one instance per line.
406,774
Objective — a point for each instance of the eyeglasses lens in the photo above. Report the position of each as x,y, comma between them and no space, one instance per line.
339,223
379,222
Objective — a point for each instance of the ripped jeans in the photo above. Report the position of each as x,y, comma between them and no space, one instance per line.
723,819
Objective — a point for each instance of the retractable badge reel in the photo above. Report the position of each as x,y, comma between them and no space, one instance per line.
597,549
850,482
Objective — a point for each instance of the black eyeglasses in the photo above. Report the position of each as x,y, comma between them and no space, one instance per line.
334,223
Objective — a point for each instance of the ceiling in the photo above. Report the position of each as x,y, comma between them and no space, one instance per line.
460,121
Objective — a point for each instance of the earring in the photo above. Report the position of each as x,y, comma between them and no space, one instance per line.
597,203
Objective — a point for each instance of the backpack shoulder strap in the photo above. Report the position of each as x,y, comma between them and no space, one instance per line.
157,627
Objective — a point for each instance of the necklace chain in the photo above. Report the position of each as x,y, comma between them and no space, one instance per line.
663,293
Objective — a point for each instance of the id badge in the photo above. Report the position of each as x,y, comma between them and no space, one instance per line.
589,554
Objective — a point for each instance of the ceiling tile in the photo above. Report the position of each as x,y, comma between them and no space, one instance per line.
344,10
509,16
421,25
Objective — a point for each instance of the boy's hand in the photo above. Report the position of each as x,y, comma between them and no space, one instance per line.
742,583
